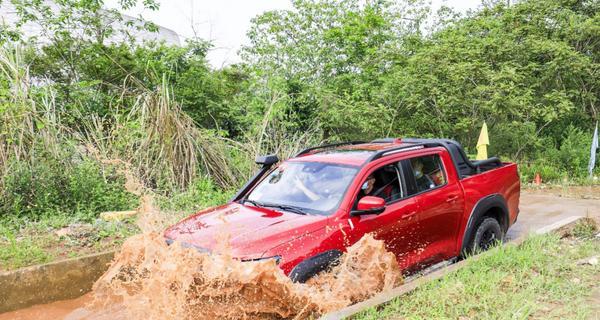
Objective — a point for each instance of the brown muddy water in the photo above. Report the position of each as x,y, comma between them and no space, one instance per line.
151,280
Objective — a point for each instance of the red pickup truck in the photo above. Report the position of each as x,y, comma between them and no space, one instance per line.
423,197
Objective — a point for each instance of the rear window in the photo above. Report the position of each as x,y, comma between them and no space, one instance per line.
428,172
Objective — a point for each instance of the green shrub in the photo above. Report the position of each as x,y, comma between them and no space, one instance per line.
201,193
49,187
92,190
548,172
574,153
567,161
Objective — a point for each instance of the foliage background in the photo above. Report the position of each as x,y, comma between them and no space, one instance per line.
79,112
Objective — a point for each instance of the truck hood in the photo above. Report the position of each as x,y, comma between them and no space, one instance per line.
247,232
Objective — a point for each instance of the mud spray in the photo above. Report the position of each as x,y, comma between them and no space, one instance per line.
150,280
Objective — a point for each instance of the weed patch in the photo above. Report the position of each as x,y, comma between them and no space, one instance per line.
16,253
539,279
24,243
585,228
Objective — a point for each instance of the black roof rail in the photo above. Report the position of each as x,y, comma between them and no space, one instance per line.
459,158
429,143
305,151
384,152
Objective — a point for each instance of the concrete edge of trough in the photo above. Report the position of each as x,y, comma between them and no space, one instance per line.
45,283
389,295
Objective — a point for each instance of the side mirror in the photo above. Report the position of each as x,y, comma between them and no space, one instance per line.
369,205
267,160
266,163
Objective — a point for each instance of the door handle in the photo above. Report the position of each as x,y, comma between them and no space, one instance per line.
409,215
452,198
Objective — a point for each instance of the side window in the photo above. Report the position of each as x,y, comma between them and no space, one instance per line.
428,172
385,182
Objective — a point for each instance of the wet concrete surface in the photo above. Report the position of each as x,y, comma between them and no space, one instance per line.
59,280
537,210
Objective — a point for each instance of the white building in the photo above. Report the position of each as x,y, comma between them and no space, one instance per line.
9,17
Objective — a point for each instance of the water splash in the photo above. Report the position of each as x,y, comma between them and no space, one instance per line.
154,281
149,279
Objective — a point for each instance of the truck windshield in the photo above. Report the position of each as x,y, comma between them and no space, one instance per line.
308,187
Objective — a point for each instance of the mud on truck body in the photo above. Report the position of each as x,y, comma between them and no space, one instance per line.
423,197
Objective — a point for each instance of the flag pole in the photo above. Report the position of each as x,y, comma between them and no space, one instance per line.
593,151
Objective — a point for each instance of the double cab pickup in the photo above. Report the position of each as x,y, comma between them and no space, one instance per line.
423,197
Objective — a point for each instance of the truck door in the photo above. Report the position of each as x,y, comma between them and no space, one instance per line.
440,201
396,226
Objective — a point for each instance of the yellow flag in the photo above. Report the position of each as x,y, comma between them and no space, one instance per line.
482,143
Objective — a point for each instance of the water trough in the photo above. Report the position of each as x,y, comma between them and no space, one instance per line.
60,280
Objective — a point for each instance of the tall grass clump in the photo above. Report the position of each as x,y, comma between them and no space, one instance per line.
78,167
43,169
164,147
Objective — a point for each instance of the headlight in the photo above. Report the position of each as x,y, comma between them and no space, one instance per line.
188,245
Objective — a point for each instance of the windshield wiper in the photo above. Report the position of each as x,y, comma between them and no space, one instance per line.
255,203
293,209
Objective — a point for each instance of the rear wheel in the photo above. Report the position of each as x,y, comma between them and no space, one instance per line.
487,234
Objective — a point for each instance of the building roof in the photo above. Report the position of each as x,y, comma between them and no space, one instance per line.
9,16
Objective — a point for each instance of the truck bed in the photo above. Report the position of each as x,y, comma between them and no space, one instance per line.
502,180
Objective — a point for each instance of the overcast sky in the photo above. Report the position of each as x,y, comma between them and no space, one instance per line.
225,22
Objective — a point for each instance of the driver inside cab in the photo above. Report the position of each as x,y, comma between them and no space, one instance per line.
389,190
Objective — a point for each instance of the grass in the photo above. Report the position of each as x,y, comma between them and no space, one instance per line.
24,243
585,229
55,236
540,279
17,253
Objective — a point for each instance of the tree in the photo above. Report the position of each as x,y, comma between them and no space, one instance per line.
535,62
332,55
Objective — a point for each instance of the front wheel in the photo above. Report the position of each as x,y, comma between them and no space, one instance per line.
314,265
488,234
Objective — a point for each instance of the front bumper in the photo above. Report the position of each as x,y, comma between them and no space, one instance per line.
205,250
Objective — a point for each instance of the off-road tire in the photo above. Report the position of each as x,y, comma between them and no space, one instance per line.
315,265
488,233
